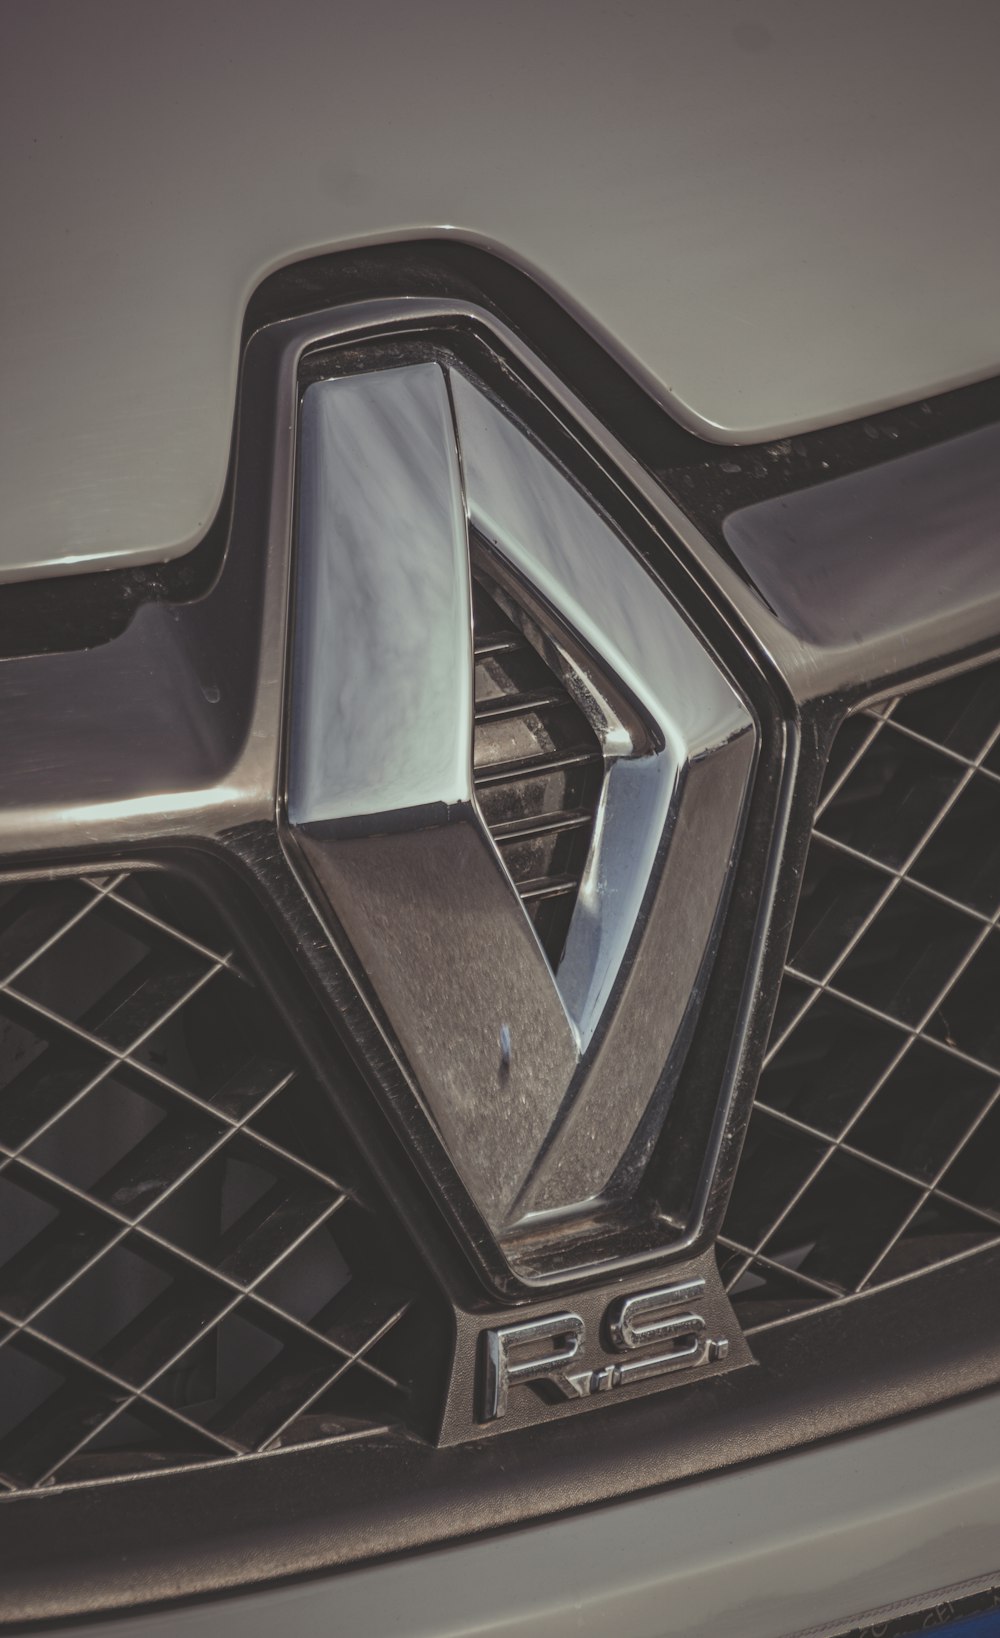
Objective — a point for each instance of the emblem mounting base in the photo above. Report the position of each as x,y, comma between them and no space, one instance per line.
517,1369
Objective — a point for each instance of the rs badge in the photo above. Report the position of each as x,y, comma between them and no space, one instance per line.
655,1332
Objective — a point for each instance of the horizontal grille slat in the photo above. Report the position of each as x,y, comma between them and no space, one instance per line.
522,768
874,1146
527,830
553,887
499,642
519,705
538,769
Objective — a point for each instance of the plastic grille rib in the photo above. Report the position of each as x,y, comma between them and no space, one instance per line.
190,1268
538,770
874,1145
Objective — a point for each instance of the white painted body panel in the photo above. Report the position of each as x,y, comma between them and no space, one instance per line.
887,1522
781,213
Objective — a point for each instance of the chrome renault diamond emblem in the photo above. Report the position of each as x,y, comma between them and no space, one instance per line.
545,1076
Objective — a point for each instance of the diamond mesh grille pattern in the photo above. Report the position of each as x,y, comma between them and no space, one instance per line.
874,1145
188,1269
538,771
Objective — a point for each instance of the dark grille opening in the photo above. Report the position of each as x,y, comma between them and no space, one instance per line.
874,1147
190,1267
538,771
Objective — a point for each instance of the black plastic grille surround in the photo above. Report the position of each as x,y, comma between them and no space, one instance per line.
874,1145
538,768
191,1265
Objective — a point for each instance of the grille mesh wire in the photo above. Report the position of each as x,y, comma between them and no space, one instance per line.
874,1144
188,1267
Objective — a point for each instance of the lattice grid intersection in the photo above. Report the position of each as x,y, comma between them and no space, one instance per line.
189,1268
873,1144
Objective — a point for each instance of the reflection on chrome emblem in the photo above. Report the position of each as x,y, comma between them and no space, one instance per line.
545,1081
658,1329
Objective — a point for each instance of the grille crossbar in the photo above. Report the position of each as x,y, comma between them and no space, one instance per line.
189,1268
871,1150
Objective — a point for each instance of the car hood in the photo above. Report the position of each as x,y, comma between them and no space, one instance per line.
779,215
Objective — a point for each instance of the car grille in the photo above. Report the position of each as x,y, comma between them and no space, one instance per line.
191,1265
538,770
874,1145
